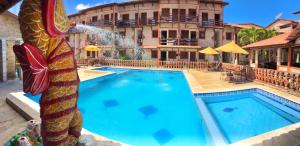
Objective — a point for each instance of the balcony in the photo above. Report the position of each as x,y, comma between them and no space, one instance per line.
183,42
184,19
101,23
152,21
212,23
127,23
168,18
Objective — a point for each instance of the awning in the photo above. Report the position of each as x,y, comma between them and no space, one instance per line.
91,48
232,48
209,51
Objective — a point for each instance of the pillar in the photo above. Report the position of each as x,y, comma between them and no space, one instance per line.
278,58
256,57
167,55
236,60
197,56
3,63
189,56
289,58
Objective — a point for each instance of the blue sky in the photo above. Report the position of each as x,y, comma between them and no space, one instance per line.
261,12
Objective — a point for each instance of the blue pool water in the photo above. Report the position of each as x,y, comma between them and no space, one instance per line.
114,69
247,114
142,108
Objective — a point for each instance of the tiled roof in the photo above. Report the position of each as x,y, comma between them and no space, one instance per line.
281,39
246,25
295,33
278,20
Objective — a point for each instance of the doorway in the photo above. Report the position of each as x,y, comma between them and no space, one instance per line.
164,36
163,55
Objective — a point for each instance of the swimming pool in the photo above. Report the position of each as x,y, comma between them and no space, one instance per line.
246,113
142,108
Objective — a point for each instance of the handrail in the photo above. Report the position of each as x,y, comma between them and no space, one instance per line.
153,63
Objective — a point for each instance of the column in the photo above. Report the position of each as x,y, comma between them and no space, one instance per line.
197,56
256,57
189,56
3,60
167,55
278,57
289,58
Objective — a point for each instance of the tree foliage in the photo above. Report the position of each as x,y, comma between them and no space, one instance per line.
252,35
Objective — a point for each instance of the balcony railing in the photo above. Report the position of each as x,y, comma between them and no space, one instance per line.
172,18
101,23
189,42
174,41
127,23
212,23
152,21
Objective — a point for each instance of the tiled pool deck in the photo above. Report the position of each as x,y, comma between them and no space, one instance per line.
200,82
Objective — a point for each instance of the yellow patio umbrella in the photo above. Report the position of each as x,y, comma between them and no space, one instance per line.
209,51
232,48
92,48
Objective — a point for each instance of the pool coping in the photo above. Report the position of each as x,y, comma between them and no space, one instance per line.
261,137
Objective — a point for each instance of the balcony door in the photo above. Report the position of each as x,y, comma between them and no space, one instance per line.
125,17
192,12
182,14
163,39
165,12
144,18
217,19
184,34
155,16
175,14
136,18
106,17
204,16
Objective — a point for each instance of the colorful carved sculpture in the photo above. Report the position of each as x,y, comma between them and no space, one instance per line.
49,68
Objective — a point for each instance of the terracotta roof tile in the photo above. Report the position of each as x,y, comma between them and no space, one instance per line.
281,39
295,33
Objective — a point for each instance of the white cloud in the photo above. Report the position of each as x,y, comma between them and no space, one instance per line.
82,6
279,15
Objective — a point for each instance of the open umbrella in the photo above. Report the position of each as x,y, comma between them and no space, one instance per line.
232,48
209,51
92,48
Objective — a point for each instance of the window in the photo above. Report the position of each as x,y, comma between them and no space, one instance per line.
153,54
172,34
296,57
154,34
172,54
83,22
184,55
88,53
94,19
202,34
228,36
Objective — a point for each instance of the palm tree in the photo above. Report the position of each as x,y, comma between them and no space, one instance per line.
251,35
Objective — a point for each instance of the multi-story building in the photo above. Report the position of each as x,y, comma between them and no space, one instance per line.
164,29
